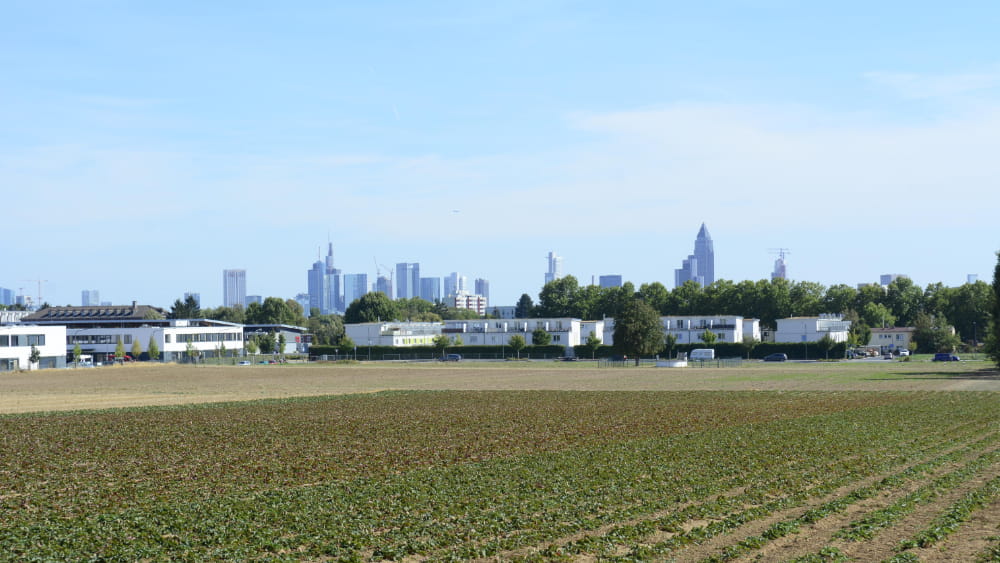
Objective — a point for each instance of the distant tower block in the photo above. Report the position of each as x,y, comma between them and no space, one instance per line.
780,268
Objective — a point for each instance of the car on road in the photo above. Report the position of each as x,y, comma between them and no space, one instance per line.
945,357
903,352
776,357
245,362
451,358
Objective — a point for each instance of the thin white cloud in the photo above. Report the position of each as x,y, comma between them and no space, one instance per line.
919,86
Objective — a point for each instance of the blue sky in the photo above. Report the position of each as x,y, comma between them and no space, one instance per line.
145,147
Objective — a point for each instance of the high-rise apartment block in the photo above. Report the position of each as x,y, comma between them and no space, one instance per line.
700,266
90,298
407,280
555,268
234,288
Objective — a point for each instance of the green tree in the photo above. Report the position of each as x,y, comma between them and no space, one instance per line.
558,298
638,330
656,294
591,344
282,341
905,300
191,351
251,346
517,343
748,344
826,344
670,341
934,334
993,336
326,329
153,349
371,307
267,342
708,337
440,344
525,307
839,298
119,349
540,338
76,354
878,315
187,309
34,356
136,349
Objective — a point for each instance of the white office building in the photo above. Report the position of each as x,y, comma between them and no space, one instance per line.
812,329
690,328
17,341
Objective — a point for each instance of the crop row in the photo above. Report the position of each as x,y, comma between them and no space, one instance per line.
728,513
483,499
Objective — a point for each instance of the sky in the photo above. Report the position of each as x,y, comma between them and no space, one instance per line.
147,146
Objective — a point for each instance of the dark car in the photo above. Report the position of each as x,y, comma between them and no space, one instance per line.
777,357
945,357
451,358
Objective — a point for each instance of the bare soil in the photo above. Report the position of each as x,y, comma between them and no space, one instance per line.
171,384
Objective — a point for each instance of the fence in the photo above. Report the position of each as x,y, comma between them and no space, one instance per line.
716,363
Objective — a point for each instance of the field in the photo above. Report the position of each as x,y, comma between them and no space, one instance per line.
796,462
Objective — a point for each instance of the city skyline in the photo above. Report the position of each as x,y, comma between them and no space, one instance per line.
479,137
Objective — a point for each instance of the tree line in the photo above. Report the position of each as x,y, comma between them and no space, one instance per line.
967,308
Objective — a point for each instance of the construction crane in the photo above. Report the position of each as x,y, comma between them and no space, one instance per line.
39,294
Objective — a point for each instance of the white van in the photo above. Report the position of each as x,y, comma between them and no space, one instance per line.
702,354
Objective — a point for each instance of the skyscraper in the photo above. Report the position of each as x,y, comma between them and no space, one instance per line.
355,285
555,268
780,269
90,297
454,284
700,266
430,289
610,280
483,288
319,288
335,295
6,296
407,280
234,288
384,285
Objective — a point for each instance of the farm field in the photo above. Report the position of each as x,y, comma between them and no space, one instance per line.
170,384
810,462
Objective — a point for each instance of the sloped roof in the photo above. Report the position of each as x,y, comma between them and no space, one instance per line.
104,313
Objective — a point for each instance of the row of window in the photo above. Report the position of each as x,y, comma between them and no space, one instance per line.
98,339
207,337
8,340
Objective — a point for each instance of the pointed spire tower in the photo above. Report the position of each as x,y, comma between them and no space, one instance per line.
705,253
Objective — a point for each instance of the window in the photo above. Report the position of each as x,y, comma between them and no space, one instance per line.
128,339
167,338
5,341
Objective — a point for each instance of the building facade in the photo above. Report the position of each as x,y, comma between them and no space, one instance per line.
234,288
610,280
407,280
355,286
430,289
17,341
555,267
400,334
812,329
689,329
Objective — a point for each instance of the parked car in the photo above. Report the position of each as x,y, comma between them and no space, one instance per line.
887,356
451,358
903,352
776,357
244,362
945,357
